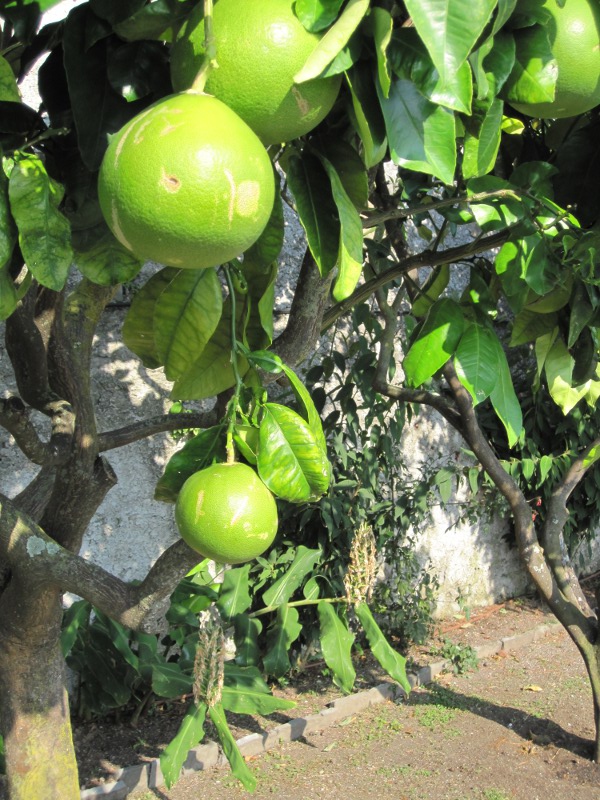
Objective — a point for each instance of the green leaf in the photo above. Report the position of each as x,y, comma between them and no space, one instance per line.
317,211
246,632
481,148
334,41
350,259
367,114
533,77
445,479
230,748
285,586
74,618
138,328
108,263
506,403
186,315
245,692
350,169
282,633
436,342
8,235
411,61
383,26
316,15
392,662
212,372
450,29
336,646
476,361
290,460
494,213
431,290
8,83
203,450
307,407
421,135
234,597
168,680
8,293
559,365
44,232
190,733
529,326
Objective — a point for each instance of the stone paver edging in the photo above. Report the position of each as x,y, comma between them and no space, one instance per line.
149,775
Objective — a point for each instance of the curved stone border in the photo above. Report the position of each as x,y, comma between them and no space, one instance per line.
149,776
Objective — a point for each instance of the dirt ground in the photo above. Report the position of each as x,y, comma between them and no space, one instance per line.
517,727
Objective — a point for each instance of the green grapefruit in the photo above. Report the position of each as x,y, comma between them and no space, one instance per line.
260,46
225,512
574,34
186,183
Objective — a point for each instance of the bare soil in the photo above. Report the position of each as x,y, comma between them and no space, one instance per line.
518,727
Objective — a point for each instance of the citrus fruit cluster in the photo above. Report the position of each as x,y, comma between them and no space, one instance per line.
188,182
260,46
225,512
574,32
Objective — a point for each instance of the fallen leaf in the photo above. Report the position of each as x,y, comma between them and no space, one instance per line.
532,688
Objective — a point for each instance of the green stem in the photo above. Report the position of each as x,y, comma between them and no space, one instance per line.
210,50
296,603
234,402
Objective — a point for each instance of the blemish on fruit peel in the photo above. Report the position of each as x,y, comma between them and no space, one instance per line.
247,198
116,227
301,101
127,131
36,546
199,503
169,128
170,182
240,510
232,192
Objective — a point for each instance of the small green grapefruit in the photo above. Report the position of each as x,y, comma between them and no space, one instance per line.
225,512
574,33
260,46
186,183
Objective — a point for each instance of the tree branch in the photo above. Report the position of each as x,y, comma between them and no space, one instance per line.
15,418
164,423
41,563
427,258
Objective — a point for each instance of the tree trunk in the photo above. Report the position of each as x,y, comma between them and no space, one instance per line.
34,706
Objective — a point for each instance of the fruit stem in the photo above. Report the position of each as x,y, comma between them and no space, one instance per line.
234,402
210,49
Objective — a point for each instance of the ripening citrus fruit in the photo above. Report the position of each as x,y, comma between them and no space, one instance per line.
225,512
260,46
186,183
574,33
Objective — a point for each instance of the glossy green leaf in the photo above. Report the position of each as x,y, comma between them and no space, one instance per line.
284,587
559,365
450,29
411,61
316,209
290,460
436,342
234,597
236,761
336,646
197,453
421,135
350,259
316,15
190,733
246,632
392,662
366,114
268,246
336,38
75,617
138,328
282,633
156,20
8,234
307,407
212,372
8,83
494,213
383,26
431,290
108,263
168,680
245,692
529,326
186,315
44,232
8,293
350,169
533,78
258,329
505,401
481,148
476,361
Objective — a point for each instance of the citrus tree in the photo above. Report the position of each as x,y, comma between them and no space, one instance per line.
370,118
